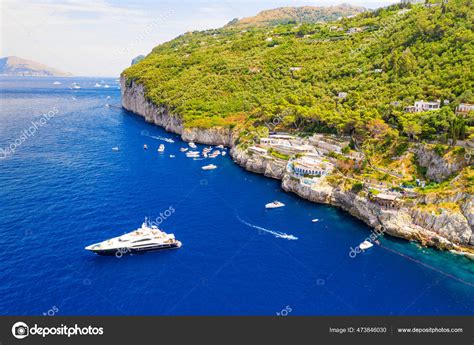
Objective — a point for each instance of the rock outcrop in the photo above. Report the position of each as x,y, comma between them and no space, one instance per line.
437,167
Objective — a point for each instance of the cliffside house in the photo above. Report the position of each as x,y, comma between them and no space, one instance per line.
311,166
258,150
277,139
295,68
326,144
386,200
423,106
464,108
342,95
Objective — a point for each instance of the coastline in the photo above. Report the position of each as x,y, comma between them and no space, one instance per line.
444,231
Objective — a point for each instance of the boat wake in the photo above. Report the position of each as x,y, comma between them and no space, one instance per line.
168,140
277,234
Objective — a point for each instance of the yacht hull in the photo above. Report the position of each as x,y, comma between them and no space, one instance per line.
125,251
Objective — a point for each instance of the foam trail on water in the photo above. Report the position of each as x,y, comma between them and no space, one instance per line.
277,234
162,138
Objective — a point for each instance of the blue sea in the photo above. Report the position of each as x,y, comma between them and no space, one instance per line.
62,187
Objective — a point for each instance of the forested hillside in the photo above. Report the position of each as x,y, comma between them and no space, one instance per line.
383,60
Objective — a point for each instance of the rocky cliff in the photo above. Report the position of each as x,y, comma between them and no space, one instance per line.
134,100
445,230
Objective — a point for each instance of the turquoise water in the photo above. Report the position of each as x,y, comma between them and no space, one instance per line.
64,188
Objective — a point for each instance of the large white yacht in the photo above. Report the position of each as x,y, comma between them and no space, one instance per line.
145,239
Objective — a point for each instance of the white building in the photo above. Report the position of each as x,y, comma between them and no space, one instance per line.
311,166
464,108
258,150
342,95
423,106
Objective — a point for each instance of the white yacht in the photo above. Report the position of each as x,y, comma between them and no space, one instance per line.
161,148
147,238
365,245
97,85
209,167
75,86
192,145
274,204
106,86
56,83
183,149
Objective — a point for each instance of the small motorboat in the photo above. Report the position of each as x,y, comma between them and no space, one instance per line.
115,148
365,245
172,156
106,86
161,148
223,153
145,147
315,220
209,167
56,83
220,146
97,85
274,204
192,154
183,149
192,145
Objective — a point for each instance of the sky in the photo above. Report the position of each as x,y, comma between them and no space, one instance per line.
100,38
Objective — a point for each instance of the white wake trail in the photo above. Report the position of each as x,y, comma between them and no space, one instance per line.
277,234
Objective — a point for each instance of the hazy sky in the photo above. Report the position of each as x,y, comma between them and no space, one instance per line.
99,38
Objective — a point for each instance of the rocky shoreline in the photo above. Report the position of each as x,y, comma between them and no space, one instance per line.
444,231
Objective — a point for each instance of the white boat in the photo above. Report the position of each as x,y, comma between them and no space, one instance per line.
172,156
56,83
209,167
220,146
315,220
145,147
274,204
106,86
223,153
115,148
183,149
97,85
192,145
107,105
365,245
192,154
147,238
75,86
161,148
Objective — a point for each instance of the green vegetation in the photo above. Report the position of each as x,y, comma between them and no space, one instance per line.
357,187
278,155
234,77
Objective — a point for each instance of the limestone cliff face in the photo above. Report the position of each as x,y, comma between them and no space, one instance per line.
443,230
267,166
437,167
134,100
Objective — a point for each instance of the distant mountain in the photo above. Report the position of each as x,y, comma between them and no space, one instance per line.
305,14
15,66
137,59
